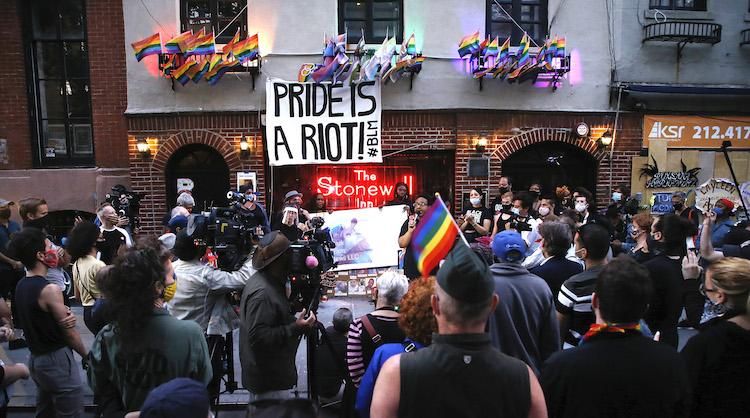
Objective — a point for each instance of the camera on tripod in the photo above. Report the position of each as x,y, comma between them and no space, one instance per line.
310,258
126,203
231,231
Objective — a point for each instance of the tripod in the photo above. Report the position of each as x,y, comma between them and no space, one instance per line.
221,350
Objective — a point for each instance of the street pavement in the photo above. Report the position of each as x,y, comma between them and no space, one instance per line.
23,393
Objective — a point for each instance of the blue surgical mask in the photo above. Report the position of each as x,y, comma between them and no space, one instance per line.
616,196
719,212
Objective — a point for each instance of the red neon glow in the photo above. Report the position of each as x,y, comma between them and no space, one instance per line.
361,187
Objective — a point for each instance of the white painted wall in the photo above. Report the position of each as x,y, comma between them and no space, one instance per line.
725,63
291,33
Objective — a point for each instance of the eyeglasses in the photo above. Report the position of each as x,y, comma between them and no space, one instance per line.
702,289
420,203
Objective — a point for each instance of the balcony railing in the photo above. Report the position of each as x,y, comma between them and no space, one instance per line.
745,37
683,32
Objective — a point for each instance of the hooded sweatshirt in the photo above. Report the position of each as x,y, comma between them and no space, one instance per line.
524,325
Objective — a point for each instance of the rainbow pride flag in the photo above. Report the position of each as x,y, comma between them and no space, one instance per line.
411,45
147,46
182,74
433,237
247,49
560,50
179,43
215,74
469,45
229,47
202,45
201,69
491,50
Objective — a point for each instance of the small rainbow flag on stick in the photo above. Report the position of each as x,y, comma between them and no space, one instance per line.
228,48
246,49
411,45
469,45
179,43
147,46
434,237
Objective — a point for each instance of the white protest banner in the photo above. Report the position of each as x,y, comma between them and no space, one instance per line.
323,123
365,238
708,193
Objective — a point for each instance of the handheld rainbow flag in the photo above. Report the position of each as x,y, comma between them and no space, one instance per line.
433,237
178,44
229,47
247,50
469,45
411,45
147,46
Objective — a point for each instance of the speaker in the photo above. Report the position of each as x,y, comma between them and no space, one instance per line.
479,167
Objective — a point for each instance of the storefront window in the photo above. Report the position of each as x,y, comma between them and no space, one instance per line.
368,185
531,15
697,5
60,92
374,18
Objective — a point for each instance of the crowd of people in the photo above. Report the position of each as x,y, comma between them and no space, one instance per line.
554,308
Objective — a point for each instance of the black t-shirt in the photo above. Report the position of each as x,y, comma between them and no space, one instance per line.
666,303
503,220
410,263
290,231
479,214
111,242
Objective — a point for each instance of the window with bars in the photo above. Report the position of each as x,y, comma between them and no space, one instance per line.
696,5
374,18
531,15
60,92
217,16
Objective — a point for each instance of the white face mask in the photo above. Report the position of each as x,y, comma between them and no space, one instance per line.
616,196
475,201
543,211
581,207
515,211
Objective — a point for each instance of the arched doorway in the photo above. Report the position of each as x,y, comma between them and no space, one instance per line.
208,171
551,163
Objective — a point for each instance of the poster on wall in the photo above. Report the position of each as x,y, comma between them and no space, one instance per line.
323,123
365,238
681,131
714,189
247,178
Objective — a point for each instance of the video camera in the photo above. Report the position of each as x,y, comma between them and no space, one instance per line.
311,256
126,203
231,231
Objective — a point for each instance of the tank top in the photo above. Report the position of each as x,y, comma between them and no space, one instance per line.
39,327
463,376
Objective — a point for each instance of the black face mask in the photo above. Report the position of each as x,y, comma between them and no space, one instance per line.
506,208
39,223
677,206
503,190
654,246
534,195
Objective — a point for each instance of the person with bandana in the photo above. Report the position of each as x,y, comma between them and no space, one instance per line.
616,370
143,346
49,328
35,214
477,220
722,223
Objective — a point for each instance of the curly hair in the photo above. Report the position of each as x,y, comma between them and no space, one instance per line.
82,239
416,318
129,287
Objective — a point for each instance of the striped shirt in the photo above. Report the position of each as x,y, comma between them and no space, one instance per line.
360,346
574,301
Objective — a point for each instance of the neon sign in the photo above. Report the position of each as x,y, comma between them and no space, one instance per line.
360,187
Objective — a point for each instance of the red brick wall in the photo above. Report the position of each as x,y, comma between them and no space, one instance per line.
453,131
14,112
106,37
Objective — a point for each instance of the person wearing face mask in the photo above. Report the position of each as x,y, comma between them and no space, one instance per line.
504,186
35,214
682,209
667,242
505,216
524,222
639,231
546,209
717,358
11,270
582,202
535,190
573,302
49,327
564,201
421,204
477,220
143,346
722,223
258,218
283,222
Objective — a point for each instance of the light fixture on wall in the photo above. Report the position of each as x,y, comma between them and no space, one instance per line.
244,147
605,140
480,143
143,149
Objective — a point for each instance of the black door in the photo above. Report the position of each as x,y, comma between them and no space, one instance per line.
551,164
208,171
